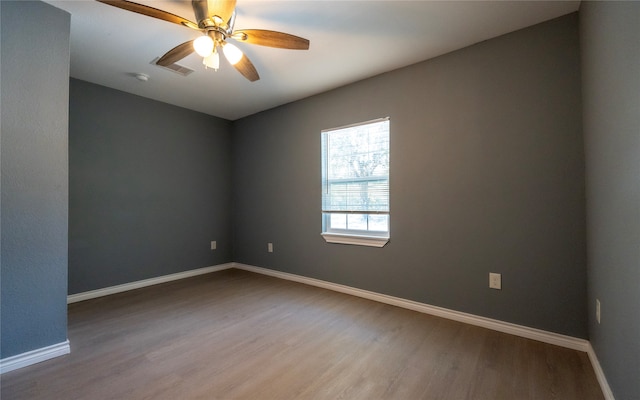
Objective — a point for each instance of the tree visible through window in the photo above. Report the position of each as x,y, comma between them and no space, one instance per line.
355,179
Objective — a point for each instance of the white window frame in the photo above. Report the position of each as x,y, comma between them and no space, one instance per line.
351,236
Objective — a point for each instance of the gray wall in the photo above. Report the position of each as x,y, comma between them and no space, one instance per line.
149,188
35,98
610,37
487,175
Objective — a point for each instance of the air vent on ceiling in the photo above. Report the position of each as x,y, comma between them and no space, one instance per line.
177,68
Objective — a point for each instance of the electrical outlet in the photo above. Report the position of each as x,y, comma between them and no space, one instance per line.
598,310
214,245
495,281
270,247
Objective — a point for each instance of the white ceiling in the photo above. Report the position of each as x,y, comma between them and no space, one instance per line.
350,41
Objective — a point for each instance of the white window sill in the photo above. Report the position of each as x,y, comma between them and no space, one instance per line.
372,241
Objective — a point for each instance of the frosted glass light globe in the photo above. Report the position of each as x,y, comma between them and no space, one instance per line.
203,46
213,61
232,53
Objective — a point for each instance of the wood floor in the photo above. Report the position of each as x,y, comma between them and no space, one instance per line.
238,335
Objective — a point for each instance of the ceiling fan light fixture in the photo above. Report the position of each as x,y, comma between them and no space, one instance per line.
204,46
232,53
216,19
213,61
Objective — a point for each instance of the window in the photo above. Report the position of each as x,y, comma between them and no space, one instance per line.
355,184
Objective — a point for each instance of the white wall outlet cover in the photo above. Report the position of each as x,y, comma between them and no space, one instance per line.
270,247
214,245
495,280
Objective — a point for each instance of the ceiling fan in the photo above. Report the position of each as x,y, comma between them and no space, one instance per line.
216,19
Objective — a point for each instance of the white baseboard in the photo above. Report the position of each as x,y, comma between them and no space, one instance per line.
496,325
602,379
92,294
34,357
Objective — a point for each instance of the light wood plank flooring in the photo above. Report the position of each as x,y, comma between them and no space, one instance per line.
238,335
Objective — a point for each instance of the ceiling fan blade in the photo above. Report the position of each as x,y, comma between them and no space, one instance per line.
272,39
246,68
150,12
222,9
176,54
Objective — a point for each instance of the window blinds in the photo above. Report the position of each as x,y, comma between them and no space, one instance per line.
355,168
